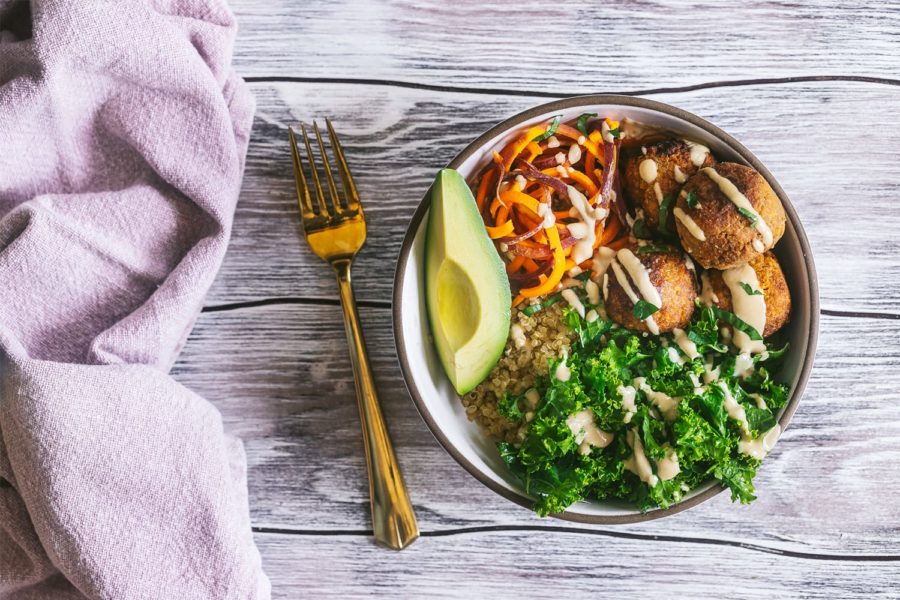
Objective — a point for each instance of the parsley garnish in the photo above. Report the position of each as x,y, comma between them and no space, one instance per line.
650,249
692,199
751,216
640,230
736,322
549,301
643,309
664,213
550,130
750,291
582,122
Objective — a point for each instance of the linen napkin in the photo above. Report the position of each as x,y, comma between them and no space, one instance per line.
123,134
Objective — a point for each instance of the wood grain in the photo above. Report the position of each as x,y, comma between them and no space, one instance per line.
556,565
409,85
396,139
280,376
568,48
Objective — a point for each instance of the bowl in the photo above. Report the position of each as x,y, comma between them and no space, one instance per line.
430,389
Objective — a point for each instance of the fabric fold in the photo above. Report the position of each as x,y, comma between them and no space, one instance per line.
123,136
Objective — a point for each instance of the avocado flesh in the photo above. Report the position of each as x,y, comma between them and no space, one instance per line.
467,290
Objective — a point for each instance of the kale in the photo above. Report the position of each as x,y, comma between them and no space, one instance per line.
603,360
508,407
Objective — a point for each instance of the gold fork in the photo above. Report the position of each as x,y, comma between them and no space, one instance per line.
336,230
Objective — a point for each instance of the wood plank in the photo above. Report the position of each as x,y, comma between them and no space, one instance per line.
396,139
281,378
555,565
575,47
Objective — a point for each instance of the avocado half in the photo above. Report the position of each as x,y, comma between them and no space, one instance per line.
466,287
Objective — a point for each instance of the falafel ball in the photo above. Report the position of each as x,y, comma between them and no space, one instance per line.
667,272
711,226
774,288
659,171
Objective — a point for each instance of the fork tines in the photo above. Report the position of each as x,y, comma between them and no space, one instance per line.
335,204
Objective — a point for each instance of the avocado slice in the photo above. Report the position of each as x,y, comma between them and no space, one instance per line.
467,290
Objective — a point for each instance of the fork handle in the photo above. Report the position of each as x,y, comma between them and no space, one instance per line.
393,519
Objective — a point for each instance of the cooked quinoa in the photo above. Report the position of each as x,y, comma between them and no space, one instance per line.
542,336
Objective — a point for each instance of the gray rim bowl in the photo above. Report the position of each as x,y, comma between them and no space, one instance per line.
792,251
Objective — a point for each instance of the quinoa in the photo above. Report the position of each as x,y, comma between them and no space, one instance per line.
546,337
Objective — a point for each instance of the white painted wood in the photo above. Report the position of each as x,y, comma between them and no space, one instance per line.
280,374
576,47
396,139
556,565
281,378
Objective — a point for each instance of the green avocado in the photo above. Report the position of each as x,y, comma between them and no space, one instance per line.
467,290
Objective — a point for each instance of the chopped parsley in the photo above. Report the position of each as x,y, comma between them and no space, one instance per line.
750,291
692,199
582,122
736,322
550,130
643,309
640,230
651,249
751,216
548,301
606,357
664,208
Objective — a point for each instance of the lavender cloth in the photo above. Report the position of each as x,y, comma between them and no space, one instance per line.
123,132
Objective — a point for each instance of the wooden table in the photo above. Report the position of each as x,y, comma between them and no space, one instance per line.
811,90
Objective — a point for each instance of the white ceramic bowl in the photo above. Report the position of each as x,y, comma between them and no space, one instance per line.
435,398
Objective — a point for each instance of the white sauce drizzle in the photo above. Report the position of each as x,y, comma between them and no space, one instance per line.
602,258
578,230
734,409
710,374
647,170
560,158
658,192
574,154
570,297
605,134
759,447
552,142
562,371
593,291
584,248
707,295
521,183
743,365
586,432
667,468
699,152
517,334
740,200
674,356
545,211
629,291
628,394
684,342
690,224
760,401
637,463
749,308
667,405
680,177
